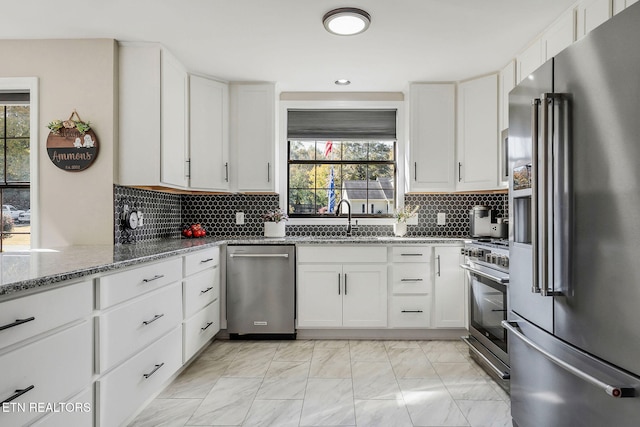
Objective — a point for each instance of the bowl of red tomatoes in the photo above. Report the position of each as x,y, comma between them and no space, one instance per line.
194,231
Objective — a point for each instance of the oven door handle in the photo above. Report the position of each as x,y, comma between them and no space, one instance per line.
501,280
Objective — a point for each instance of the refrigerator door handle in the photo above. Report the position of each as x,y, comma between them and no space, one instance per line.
535,105
610,390
548,277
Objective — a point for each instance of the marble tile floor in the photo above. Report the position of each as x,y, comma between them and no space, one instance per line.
330,383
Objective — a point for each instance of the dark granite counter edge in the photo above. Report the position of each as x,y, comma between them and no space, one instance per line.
170,248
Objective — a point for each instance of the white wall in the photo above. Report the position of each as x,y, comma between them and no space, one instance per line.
75,208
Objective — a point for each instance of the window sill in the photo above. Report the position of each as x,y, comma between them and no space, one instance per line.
343,220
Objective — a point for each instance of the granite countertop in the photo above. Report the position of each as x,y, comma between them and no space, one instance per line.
26,271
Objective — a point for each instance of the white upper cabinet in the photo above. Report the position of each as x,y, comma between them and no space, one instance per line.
592,13
478,134
152,119
253,137
529,60
432,137
559,35
173,119
620,5
507,82
208,134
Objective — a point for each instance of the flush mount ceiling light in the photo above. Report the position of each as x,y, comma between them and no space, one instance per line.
343,82
346,21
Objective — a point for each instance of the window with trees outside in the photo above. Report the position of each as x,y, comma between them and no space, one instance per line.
15,233
338,155
321,173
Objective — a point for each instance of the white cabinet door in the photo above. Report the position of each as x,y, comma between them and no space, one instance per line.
365,296
529,60
253,136
478,134
319,292
450,302
139,115
432,139
559,36
620,5
507,82
173,120
592,13
152,117
208,134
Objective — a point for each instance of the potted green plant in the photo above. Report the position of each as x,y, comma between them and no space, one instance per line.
274,223
402,215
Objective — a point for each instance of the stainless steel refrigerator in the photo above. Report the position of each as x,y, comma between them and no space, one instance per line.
574,293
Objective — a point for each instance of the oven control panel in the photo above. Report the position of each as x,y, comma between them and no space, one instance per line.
499,257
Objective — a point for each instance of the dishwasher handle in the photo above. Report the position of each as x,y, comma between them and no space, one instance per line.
259,255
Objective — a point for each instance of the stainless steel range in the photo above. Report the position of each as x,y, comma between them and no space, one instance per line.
487,265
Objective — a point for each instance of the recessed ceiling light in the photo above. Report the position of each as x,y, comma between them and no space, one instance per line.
343,82
346,21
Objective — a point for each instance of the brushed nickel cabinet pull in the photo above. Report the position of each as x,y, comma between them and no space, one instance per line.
156,277
206,290
156,317
155,368
205,328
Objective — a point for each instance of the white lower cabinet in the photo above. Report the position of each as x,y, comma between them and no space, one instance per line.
410,311
201,299
350,294
450,295
364,303
411,287
123,390
403,287
200,329
49,370
319,292
127,328
78,412
26,317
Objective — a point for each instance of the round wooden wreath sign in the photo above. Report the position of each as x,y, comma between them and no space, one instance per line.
72,145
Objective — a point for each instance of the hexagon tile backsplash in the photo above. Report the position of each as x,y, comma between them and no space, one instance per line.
165,214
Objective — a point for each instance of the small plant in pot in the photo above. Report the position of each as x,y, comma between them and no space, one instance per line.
274,223
402,215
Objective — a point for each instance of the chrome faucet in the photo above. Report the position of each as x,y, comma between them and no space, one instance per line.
338,213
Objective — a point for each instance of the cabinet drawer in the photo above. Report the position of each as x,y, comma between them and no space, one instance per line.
199,329
342,254
122,391
411,311
411,253
130,327
201,260
200,289
128,284
57,367
48,309
413,278
82,414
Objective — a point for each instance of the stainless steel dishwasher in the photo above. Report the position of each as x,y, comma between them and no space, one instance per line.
261,290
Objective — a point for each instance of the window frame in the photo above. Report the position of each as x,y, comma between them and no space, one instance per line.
355,213
31,85
355,100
